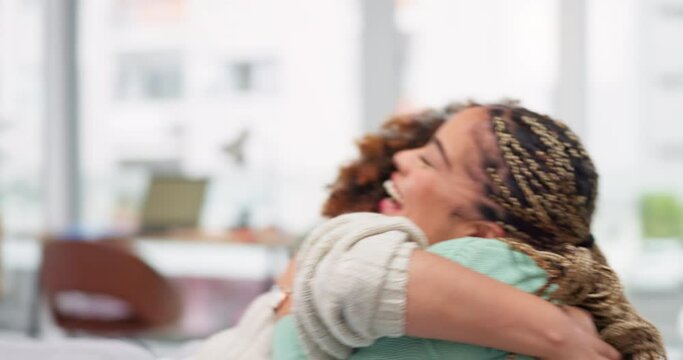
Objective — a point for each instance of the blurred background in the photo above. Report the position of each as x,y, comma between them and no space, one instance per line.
241,111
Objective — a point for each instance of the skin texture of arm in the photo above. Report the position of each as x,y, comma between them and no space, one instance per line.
478,310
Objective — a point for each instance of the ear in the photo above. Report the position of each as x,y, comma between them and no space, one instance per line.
487,229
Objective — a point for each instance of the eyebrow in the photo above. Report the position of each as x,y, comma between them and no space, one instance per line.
439,146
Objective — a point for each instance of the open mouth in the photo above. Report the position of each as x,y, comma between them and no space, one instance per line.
393,191
392,205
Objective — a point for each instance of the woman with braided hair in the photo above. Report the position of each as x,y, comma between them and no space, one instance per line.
491,172
542,188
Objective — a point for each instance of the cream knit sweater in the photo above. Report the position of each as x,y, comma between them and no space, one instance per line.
350,289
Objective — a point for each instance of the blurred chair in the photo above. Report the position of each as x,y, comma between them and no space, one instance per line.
100,288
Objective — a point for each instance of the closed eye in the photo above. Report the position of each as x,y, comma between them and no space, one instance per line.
425,161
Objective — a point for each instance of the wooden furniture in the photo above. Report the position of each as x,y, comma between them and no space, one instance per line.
101,269
216,279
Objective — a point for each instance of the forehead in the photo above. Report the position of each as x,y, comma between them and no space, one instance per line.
467,139
466,131
469,144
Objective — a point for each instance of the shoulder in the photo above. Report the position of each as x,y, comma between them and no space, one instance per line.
495,259
473,248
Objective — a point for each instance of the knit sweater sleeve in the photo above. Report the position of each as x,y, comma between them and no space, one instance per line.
376,266
351,282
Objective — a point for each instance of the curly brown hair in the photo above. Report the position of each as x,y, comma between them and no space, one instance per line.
358,186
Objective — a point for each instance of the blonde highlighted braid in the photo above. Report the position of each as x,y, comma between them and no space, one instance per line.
544,185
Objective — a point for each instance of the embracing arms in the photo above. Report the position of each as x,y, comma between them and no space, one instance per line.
522,323
363,276
486,312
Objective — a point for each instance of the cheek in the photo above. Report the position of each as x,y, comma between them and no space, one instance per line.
426,205
420,188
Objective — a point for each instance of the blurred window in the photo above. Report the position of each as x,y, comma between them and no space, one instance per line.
150,76
249,77
148,12
239,92
21,116
481,50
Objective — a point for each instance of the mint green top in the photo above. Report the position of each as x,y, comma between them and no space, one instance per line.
490,257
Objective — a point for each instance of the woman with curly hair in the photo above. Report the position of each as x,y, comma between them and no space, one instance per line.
360,184
499,189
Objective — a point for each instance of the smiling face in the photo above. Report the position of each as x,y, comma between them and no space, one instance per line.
440,186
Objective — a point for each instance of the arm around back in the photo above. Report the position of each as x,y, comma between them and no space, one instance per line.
416,293
486,312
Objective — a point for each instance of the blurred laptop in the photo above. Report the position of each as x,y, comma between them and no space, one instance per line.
172,203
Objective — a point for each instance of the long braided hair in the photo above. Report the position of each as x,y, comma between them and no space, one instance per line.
544,186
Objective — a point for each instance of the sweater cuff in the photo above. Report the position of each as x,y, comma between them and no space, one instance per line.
390,318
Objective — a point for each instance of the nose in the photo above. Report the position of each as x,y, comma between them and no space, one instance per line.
402,160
